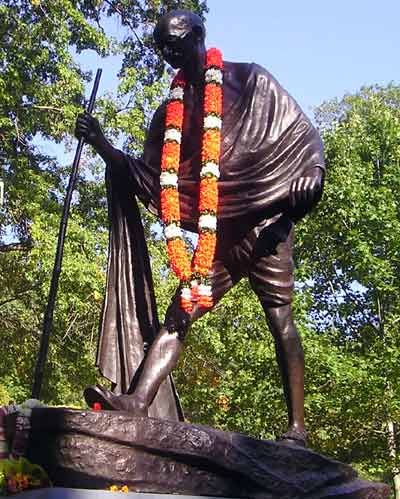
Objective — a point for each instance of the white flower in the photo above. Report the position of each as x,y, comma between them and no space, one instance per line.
205,290
211,121
167,178
214,75
25,411
186,293
208,222
32,403
172,230
210,168
173,134
176,93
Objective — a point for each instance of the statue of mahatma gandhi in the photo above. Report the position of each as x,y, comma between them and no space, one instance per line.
269,172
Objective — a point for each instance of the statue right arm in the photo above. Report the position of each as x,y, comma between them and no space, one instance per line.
88,128
141,173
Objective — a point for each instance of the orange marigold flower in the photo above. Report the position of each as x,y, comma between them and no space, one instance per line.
204,255
22,481
206,302
170,156
179,259
170,205
174,115
186,305
211,145
208,200
195,292
214,58
213,99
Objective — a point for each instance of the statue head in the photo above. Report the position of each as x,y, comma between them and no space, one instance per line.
180,35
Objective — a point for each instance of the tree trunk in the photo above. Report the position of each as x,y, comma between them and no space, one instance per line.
393,455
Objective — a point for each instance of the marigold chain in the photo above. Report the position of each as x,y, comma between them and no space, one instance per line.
193,272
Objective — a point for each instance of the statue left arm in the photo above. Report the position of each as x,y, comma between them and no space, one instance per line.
305,192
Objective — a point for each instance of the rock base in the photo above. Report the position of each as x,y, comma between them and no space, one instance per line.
96,449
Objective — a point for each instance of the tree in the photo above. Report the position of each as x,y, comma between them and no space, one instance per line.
349,256
41,92
347,305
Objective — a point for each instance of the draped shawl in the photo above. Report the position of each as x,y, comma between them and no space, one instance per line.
267,142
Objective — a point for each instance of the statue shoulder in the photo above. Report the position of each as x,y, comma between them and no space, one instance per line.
266,84
262,74
241,74
236,77
236,71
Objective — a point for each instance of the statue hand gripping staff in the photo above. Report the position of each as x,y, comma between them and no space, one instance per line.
232,157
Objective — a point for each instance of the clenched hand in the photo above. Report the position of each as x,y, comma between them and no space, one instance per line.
88,128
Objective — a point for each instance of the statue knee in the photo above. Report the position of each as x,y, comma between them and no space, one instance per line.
283,329
168,339
280,321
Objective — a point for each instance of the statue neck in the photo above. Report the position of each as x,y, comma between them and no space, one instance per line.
194,71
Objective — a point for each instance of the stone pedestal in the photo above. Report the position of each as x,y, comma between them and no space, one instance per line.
96,449
66,493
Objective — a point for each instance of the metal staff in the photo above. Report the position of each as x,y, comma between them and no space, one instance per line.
48,316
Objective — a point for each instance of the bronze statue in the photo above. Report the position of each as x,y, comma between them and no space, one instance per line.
271,175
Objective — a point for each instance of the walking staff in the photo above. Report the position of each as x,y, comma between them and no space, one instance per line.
48,316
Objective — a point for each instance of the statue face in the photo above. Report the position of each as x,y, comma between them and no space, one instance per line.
177,41
178,51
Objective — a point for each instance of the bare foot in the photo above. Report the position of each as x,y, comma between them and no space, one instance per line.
294,436
111,402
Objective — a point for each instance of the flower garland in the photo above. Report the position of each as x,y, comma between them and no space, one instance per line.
18,475
193,274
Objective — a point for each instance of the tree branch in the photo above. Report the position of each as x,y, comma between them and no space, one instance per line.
16,297
4,248
42,108
124,20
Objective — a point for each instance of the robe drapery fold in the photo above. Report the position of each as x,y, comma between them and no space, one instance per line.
267,142
129,320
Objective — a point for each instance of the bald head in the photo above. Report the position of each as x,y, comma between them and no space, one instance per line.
178,23
179,35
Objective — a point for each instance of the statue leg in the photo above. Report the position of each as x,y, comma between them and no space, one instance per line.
271,277
161,359
290,357
164,352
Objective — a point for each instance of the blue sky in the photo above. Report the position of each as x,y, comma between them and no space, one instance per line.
318,50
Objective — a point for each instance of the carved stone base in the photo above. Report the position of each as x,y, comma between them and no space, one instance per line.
96,449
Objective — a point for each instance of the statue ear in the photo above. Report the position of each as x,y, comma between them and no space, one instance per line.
198,32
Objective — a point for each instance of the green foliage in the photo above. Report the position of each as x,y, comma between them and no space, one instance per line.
347,304
4,396
41,92
18,475
348,253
